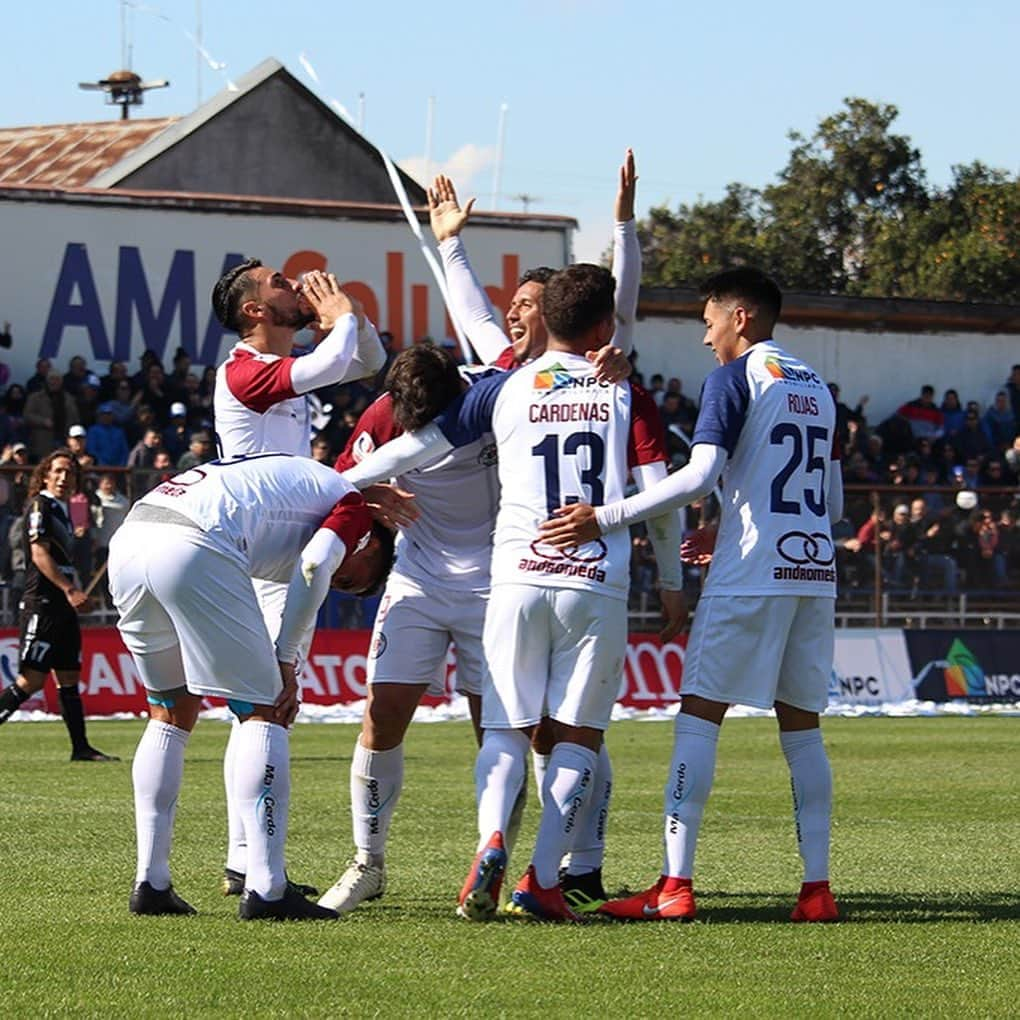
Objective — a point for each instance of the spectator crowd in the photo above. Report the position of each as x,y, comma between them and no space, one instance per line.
931,492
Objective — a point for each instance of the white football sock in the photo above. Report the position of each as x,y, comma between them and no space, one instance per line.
568,785
811,783
500,769
262,791
540,763
687,788
156,774
589,846
377,778
237,849
513,825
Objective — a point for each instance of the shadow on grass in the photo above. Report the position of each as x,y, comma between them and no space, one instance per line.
858,907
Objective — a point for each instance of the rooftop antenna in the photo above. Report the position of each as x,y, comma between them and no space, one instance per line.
430,116
361,111
123,89
526,199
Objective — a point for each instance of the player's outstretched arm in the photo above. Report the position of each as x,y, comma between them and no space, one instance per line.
405,453
469,303
577,523
626,256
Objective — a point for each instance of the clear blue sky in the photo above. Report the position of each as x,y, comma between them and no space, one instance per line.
705,93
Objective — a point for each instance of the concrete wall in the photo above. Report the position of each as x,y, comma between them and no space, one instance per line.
889,367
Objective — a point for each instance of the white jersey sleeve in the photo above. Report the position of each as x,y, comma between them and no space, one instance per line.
627,271
470,304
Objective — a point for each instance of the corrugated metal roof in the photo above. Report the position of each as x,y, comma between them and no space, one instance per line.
71,155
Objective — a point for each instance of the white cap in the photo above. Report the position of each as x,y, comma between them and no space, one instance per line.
76,430
178,410
966,500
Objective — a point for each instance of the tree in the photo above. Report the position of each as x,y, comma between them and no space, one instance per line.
851,213
680,247
964,247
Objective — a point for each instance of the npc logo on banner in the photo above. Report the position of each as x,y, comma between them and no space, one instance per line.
977,666
9,657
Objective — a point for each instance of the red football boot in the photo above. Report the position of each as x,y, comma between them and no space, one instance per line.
530,899
670,899
815,903
480,895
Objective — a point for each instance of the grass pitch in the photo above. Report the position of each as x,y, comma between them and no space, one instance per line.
926,866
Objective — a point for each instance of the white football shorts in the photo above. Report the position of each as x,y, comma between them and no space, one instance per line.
759,649
177,593
412,633
551,651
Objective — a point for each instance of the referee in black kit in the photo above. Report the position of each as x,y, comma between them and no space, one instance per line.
50,633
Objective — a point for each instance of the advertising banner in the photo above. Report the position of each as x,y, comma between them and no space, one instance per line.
977,665
107,282
871,667
334,674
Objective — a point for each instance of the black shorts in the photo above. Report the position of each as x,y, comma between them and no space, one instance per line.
49,640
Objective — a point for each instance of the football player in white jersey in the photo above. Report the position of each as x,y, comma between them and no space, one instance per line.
555,627
438,589
525,339
180,576
260,405
763,633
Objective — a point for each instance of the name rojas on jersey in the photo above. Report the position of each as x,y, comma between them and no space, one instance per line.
562,437
775,417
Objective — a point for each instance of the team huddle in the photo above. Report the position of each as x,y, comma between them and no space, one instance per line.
492,504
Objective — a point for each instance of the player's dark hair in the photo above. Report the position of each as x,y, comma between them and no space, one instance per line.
577,299
387,543
37,482
421,381
749,286
540,274
230,292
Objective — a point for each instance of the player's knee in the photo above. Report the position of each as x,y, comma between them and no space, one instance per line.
388,714
177,707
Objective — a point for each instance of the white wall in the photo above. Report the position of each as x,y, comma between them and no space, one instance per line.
890,367
82,279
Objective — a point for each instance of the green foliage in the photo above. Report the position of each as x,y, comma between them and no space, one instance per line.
926,825
851,213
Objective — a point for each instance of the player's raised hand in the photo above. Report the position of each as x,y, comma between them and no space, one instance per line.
445,214
391,506
611,364
674,613
285,708
570,526
628,188
329,301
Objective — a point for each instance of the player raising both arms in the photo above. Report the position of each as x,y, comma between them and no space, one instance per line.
525,339
763,631
555,628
